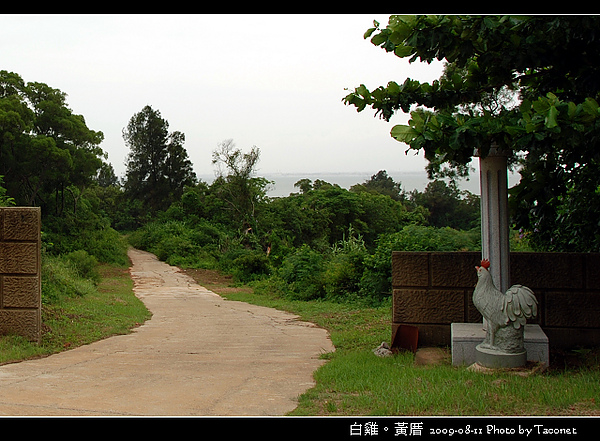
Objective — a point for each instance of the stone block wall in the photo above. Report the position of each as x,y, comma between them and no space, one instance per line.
20,276
432,290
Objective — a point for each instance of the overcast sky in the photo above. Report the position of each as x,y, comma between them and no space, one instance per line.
271,81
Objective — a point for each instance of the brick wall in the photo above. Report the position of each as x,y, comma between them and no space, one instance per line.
20,278
433,290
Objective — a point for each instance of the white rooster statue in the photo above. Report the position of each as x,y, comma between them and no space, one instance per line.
506,313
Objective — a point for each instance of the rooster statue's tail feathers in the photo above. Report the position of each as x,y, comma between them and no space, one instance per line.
519,305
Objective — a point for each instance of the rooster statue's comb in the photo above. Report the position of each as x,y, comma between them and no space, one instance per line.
485,263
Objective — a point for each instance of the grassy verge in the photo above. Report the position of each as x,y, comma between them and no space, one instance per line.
69,321
356,382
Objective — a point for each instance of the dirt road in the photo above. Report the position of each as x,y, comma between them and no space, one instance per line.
198,355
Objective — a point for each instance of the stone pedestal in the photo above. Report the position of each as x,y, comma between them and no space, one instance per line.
467,336
496,360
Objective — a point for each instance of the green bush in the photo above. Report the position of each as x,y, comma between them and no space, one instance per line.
250,266
341,277
106,245
344,268
60,278
376,280
84,264
325,242
143,238
302,271
178,243
173,248
421,238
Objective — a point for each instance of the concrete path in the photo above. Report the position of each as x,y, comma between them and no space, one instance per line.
198,355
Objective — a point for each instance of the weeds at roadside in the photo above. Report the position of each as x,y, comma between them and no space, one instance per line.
74,317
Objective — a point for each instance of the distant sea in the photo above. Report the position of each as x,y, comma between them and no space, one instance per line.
284,182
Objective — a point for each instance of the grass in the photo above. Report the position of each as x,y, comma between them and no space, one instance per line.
356,382
69,321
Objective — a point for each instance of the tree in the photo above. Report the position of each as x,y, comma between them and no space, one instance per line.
448,206
158,167
304,185
5,201
383,184
320,217
526,84
236,183
106,176
45,148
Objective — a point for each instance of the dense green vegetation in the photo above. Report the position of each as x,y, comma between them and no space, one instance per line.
322,242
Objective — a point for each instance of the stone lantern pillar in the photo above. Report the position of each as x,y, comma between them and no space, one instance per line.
495,245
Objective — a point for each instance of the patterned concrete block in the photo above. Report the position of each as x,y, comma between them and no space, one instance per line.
22,224
428,306
434,289
410,269
19,258
20,292
20,267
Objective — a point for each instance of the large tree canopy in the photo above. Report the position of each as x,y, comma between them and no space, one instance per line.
44,147
158,167
526,84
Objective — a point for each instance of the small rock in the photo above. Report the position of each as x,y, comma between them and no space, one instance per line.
476,367
383,350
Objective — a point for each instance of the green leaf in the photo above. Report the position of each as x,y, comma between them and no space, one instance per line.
378,39
403,133
551,117
490,22
590,106
571,109
369,32
552,98
426,88
417,119
403,51
402,20
541,105
363,91
457,80
393,87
